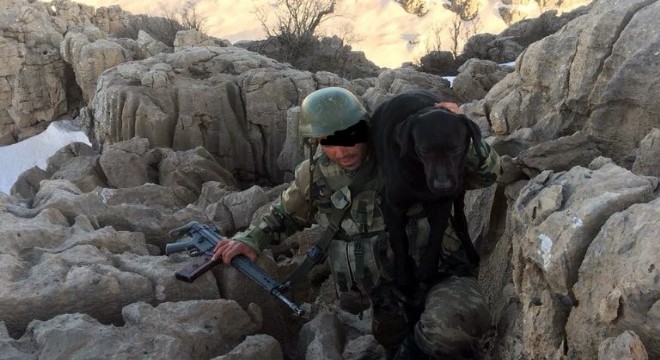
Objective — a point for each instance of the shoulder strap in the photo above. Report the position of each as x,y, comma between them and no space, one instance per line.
318,252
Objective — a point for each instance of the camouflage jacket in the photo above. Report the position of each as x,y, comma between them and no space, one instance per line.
306,202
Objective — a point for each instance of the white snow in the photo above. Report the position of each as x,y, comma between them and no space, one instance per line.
546,246
35,151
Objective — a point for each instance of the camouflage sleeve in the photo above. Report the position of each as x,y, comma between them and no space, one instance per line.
482,172
290,213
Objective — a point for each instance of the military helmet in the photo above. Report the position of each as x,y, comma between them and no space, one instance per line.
328,110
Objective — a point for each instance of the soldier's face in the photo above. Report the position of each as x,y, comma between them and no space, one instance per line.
348,157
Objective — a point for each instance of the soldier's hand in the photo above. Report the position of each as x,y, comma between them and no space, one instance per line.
226,249
450,106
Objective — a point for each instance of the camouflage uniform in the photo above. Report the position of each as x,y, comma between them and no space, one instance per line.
456,313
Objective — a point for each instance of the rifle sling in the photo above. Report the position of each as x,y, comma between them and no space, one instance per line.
459,222
319,251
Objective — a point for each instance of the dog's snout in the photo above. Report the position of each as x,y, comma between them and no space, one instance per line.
443,185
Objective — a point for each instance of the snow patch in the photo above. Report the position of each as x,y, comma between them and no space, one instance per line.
35,151
577,222
546,247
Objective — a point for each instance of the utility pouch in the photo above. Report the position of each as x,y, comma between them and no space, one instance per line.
354,301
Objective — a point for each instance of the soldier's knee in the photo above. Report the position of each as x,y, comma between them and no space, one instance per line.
455,318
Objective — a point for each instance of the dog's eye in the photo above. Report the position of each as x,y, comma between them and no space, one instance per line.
457,152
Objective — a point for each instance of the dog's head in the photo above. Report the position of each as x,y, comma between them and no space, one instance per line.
439,140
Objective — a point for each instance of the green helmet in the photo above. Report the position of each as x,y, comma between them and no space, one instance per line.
328,110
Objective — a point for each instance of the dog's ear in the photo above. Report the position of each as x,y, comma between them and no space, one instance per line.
402,134
475,134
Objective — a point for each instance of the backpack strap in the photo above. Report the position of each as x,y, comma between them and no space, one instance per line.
318,252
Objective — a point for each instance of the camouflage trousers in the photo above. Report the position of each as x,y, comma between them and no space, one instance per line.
454,318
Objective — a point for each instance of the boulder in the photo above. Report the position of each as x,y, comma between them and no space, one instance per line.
228,100
391,82
191,38
647,161
322,338
561,154
598,75
626,346
151,209
199,329
255,347
90,52
476,77
617,285
127,164
80,269
364,348
554,222
33,77
148,46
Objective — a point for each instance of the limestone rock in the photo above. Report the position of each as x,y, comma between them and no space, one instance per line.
191,38
475,78
191,169
33,78
391,82
278,320
364,348
148,46
235,209
322,338
126,165
648,160
555,220
150,209
27,184
182,330
513,11
228,100
590,69
255,347
90,53
72,13
294,150
561,154
626,346
110,19
617,288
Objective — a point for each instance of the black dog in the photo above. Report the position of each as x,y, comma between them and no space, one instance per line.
421,150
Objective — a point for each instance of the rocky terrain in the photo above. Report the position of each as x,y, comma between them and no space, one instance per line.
207,131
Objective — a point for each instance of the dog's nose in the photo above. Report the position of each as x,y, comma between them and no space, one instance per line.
442,185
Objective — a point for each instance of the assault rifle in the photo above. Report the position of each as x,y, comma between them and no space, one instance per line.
199,242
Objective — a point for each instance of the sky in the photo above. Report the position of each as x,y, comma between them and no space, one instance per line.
383,27
35,151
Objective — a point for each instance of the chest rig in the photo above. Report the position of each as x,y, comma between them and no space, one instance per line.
358,254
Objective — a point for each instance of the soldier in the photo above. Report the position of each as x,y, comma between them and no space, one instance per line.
455,313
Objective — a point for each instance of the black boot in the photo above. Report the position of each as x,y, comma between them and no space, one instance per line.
410,351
